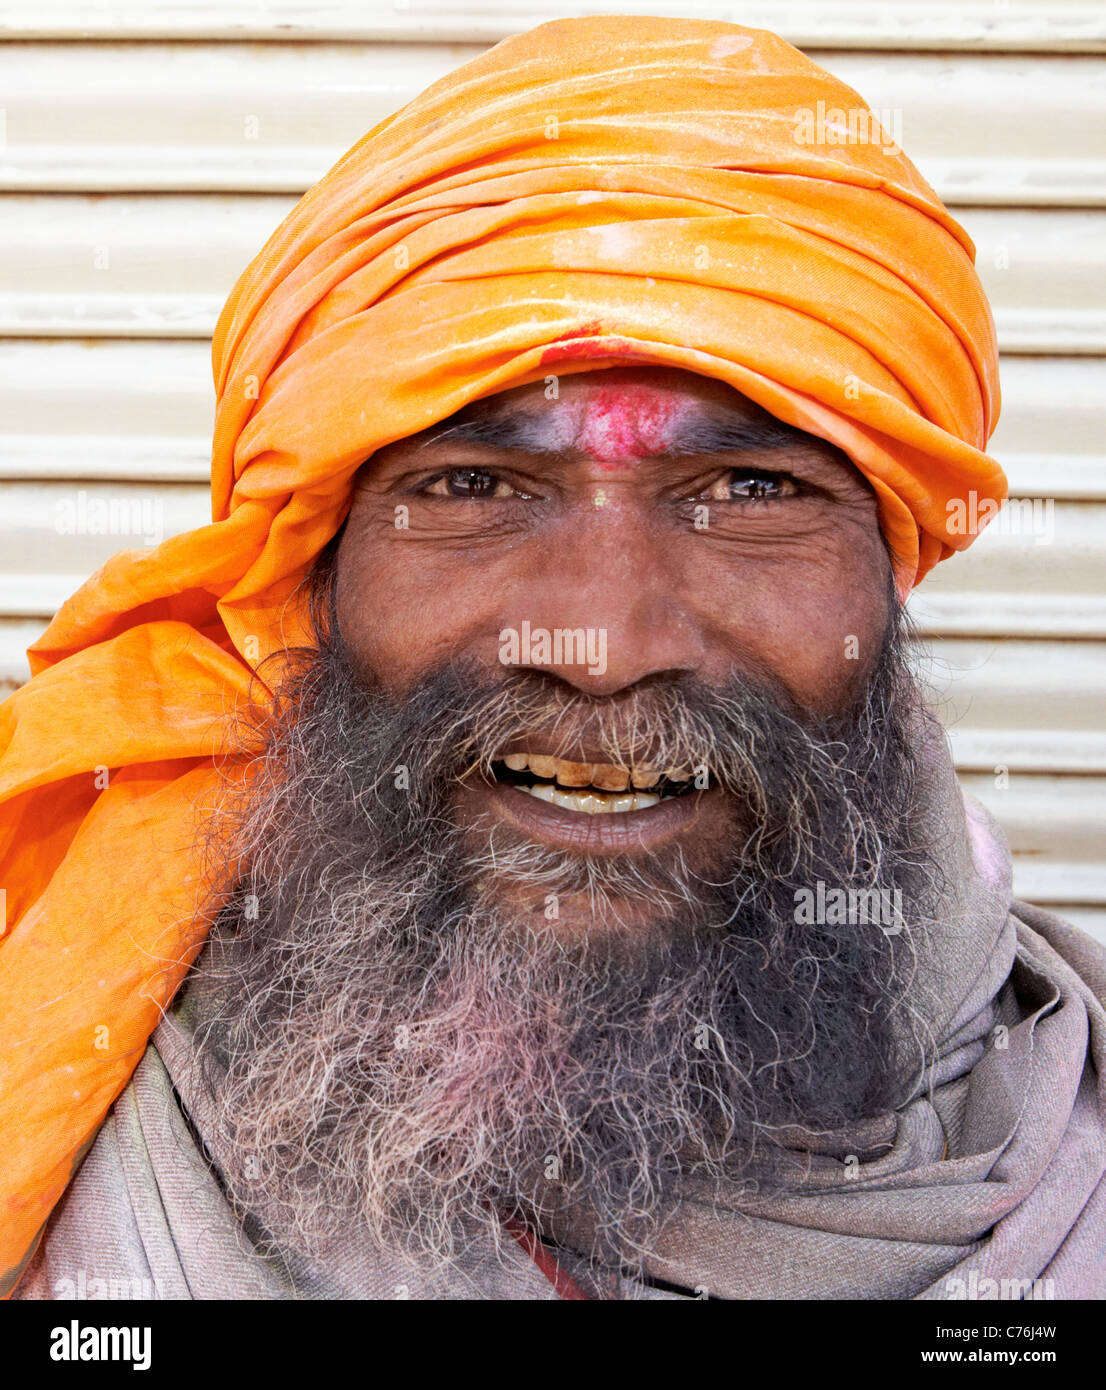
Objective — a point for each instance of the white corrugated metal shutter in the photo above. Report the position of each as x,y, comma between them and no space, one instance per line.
148,148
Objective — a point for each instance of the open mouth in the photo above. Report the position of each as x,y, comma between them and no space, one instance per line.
592,788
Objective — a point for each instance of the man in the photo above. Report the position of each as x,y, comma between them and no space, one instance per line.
591,909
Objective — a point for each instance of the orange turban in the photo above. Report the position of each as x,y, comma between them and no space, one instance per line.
597,190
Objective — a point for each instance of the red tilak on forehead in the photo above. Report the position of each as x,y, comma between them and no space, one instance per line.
622,423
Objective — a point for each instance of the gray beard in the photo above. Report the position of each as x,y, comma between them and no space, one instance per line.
386,1046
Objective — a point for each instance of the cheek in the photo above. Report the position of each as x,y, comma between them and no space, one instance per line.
832,639
403,609
815,619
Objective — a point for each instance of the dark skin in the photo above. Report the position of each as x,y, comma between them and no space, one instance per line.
581,512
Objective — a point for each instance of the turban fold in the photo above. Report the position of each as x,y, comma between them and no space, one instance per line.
596,191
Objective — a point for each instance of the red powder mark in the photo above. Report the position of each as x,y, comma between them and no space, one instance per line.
592,329
624,423
589,347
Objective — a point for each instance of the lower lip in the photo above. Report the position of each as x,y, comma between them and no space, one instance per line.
614,832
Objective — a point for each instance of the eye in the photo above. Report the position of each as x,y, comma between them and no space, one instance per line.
470,483
750,485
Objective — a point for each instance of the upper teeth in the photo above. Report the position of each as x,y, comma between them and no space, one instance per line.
592,803
603,782
605,776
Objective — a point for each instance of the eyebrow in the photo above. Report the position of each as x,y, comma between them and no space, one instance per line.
698,436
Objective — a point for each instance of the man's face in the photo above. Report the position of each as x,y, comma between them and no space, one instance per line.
453,955
686,530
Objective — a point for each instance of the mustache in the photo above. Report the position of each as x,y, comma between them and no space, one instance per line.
464,710
748,737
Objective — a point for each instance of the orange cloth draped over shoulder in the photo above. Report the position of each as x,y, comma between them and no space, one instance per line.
683,193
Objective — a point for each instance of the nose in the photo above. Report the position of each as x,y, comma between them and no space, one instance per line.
603,607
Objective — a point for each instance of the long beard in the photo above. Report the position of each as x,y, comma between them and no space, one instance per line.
390,1043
